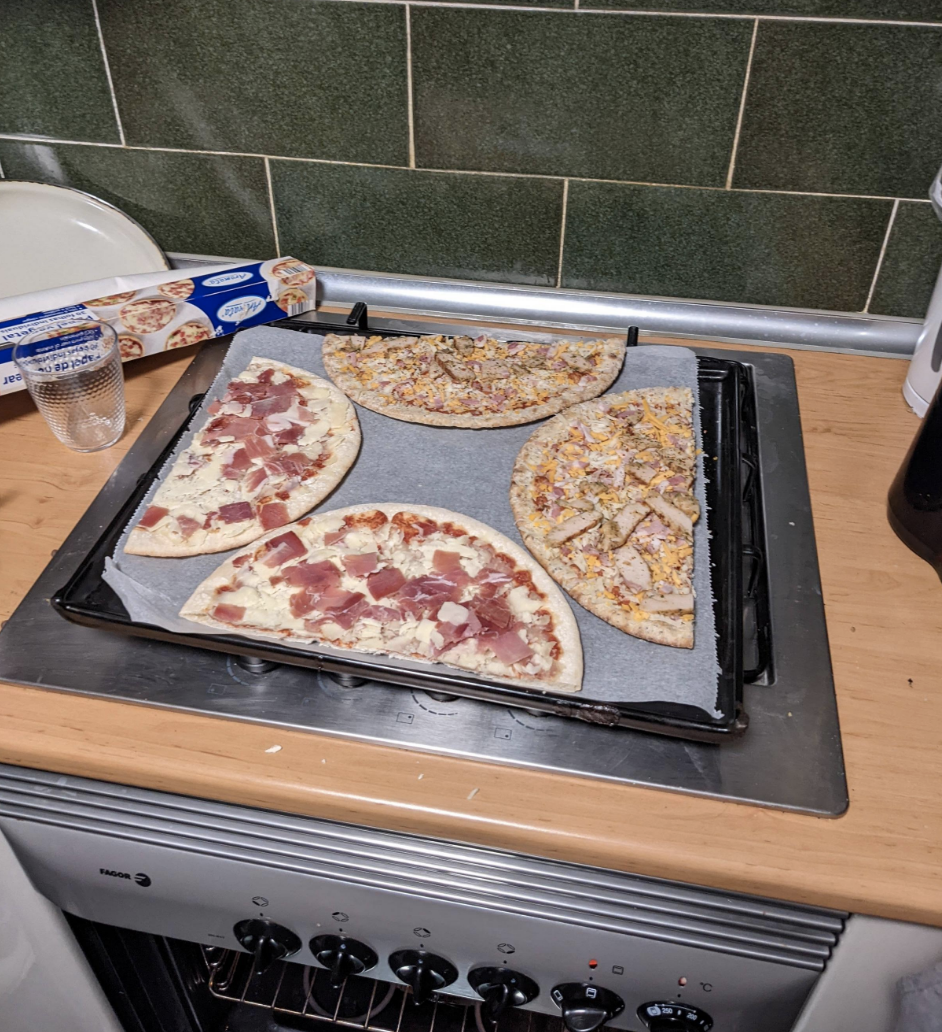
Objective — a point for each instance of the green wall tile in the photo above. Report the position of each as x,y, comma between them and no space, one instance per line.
645,98
911,263
52,75
891,10
843,109
771,249
188,202
427,223
306,78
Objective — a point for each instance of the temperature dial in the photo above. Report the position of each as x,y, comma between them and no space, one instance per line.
267,940
501,988
342,956
425,973
586,1007
672,1017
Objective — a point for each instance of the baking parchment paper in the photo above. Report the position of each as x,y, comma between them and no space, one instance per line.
467,471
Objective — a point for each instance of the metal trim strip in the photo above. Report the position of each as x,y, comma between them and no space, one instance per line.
859,333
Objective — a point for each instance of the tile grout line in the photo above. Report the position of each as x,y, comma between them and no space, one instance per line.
880,256
410,109
562,234
25,138
742,106
104,58
271,206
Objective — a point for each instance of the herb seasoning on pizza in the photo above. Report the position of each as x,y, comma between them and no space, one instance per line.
479,382
411,581
603,497
276,443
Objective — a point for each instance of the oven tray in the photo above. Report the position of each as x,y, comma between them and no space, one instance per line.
725,390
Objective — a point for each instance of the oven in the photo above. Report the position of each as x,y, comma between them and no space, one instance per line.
198,916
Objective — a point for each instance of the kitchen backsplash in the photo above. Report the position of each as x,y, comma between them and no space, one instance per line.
768,151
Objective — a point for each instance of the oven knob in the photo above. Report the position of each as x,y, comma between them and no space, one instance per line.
664,1016
425,973
500,988
342,956
586,1007
267,940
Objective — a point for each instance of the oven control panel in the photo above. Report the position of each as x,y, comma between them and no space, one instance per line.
595,948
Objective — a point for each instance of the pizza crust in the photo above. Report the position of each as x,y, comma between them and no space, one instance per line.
656,628
202,601
606,374
300,501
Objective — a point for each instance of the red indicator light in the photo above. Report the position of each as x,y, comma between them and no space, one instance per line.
593,963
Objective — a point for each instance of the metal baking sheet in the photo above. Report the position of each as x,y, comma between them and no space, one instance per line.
467,471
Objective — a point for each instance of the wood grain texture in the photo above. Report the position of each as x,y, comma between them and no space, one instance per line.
884,611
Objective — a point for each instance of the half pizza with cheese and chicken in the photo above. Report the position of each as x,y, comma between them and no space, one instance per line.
603,497
277,442
410,581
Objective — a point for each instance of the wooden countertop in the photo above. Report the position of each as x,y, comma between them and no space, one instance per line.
884,612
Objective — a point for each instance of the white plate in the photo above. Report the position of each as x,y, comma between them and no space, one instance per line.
52,235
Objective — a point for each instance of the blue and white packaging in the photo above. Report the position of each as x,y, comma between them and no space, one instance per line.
176,313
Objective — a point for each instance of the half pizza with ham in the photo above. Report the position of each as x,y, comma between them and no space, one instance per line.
276,443
603,497
411,581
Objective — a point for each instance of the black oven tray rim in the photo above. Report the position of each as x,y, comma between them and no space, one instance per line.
722,382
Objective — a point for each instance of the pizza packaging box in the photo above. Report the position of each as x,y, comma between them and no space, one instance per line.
178,312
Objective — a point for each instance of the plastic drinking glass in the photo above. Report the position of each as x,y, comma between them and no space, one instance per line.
74,375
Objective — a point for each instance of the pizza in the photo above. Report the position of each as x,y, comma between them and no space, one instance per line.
460,381
180,290
411,581
130,347
186,334
277,441
148,315
292,273
603,497
110,299
291,296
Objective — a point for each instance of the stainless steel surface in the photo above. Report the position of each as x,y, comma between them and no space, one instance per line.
191,869
790,757
799,328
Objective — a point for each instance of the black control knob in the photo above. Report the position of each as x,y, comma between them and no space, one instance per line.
500,988
425,973
267,940
665,1016
586,1007
343,957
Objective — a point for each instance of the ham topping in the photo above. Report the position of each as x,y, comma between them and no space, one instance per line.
225,613
152,516
237,465
236,512
258,447
385,582
283,549
254,481
360,565
509,648
188,525
318,577
272,514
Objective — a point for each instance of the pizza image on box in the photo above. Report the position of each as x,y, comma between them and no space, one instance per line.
188,333
276,442
292,273
130,347
405,580
179,290
291,296
148,315
110,299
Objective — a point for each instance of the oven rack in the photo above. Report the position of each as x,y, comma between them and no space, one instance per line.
303,994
